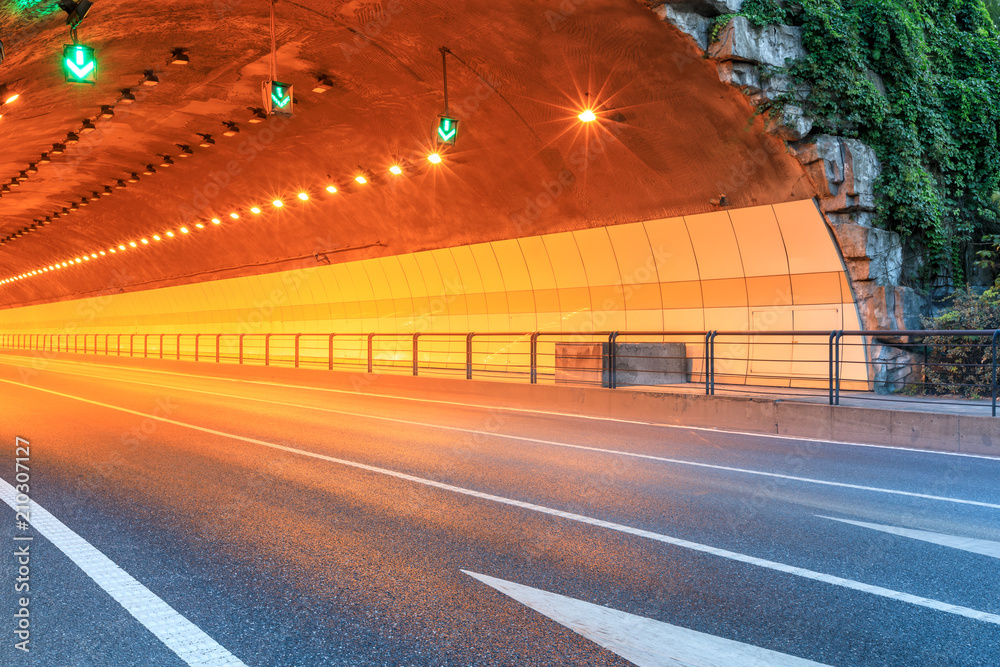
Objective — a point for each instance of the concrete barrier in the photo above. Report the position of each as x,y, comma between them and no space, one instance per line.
636,364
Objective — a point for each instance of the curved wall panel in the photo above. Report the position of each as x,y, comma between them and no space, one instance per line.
766,268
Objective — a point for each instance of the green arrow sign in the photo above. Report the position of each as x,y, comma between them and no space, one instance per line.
280,95
447,130
79,64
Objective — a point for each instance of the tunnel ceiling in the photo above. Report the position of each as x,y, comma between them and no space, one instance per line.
670,136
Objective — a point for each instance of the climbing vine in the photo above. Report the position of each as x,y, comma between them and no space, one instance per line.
919,81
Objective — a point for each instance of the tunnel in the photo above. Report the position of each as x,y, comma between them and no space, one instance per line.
675,211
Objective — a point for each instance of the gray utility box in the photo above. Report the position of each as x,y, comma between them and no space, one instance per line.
636,363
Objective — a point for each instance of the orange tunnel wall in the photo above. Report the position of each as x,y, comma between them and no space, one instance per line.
764,268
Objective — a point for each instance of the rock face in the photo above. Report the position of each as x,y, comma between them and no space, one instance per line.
703,7
689,22
844,171
772,45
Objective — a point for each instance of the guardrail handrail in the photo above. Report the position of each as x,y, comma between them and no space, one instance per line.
58,342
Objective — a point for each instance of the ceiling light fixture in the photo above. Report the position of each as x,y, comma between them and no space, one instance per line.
303,196
127,96
232,129
434,158
149,78
206,140
323,84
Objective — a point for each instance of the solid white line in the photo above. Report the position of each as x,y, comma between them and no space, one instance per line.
551,413
180,635
643,641
971,544
666,539
600,450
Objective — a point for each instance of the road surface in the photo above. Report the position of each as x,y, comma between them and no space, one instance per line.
204,520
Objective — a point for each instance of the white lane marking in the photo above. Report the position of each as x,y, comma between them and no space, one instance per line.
600,450
180,635
974,545
550,413
666,539
643,641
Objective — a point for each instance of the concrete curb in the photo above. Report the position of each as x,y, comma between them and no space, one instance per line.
893,428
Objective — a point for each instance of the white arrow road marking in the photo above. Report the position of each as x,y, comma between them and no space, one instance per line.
180,635
834,580
644,641
976,546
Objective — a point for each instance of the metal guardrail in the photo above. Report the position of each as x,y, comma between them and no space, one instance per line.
815,359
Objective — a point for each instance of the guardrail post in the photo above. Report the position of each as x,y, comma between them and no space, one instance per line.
107,345
708,363
241,348
837,363
415,363
993,373
267,349
830,371
711,360
145,345
533,356
468,356
297,336
371,337
161,345
218,346
196,337
612,360
178,347
330,353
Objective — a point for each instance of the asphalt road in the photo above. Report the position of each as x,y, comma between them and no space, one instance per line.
182,519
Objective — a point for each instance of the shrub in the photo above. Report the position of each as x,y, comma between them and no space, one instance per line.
963,366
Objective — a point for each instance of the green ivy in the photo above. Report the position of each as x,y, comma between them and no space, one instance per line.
919,81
